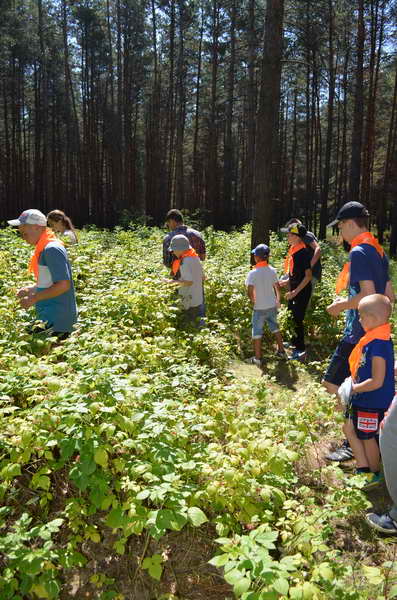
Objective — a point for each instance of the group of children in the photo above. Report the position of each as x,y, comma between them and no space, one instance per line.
368,391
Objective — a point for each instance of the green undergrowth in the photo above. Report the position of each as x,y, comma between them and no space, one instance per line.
134,432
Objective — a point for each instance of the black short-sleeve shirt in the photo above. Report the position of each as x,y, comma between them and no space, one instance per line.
301,264
317,268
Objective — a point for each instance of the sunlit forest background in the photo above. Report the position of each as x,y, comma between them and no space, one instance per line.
118,109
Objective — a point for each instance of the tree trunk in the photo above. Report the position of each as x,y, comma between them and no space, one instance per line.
267,120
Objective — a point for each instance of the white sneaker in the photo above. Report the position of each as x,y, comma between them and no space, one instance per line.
253,361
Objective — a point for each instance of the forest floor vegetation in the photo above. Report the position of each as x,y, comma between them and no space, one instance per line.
141,461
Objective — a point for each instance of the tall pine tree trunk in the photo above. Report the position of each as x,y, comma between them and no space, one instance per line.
267,121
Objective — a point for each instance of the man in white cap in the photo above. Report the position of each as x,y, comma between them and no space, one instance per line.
53,295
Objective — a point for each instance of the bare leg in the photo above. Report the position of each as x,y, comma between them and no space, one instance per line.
356,445
257,343
279,340
372,453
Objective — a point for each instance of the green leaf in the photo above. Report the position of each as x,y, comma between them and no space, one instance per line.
373,574
220,560
281,585
241,586
10,471
393,591
196,516
101,457
116,518
153,565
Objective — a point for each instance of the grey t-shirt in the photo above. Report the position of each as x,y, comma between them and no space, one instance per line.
191,270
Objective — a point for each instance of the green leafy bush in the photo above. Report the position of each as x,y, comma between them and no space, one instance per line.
134,428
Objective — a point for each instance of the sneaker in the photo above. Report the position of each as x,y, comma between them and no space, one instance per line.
373,480
298,355
383,523
281,354
254,361
288,345
341,454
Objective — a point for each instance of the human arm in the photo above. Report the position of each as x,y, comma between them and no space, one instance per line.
251,293
284,282
179,282
277,291
317,252
56,289
376,380
305,281
367,287
26,291
167,255
389,292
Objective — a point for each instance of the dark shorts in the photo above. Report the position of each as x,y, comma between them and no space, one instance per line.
195,315
338,368
366,421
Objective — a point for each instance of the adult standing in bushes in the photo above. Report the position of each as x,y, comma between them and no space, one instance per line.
174,222
62,224
314,250
53,295
366,272
387,522
297,268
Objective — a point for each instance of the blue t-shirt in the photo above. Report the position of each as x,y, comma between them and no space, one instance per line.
61,312
366,264
383,396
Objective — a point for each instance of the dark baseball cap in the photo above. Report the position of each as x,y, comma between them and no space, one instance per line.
296,229
350,210
262,251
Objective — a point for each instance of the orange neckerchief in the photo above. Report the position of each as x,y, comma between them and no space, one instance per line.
363,238
46,237
177,262
289,259
379,333
261,263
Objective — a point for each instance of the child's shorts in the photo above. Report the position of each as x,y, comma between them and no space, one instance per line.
260,317
366,421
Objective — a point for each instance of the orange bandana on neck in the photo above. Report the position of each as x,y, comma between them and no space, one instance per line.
342,282
378,333
289,259
261,263
176,265
46,237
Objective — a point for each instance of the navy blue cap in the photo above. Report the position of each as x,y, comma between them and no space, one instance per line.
350,210
261,250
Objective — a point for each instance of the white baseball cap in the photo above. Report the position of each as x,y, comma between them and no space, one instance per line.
32,216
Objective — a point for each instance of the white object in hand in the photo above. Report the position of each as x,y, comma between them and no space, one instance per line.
345,391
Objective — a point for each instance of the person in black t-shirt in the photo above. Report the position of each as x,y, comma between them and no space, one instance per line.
297,268
314,250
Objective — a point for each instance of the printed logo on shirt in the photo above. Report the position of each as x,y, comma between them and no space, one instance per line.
367,422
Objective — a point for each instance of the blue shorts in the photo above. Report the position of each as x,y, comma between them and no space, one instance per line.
365,421
260,317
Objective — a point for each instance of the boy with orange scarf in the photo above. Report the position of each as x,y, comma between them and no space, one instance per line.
53,295
372,385
188,278
263,290
365,273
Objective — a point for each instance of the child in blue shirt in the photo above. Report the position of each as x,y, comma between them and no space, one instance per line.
372,391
